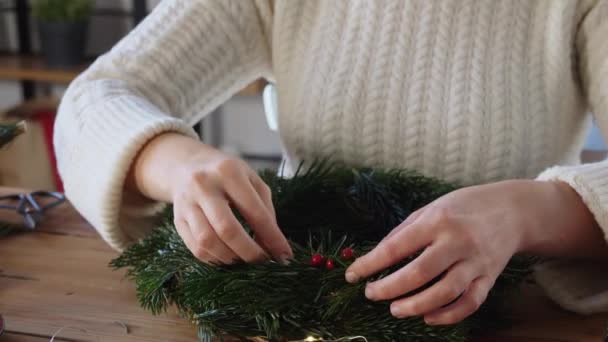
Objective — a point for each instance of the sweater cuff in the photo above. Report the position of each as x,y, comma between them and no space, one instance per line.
94,180
590,181
579,285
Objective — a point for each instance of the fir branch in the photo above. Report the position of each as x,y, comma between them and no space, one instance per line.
321,209
8,132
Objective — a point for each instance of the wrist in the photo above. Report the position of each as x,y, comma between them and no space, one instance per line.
159,164
526,199
558,221
534,210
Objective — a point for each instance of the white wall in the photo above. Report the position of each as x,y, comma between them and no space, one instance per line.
245,127
10,94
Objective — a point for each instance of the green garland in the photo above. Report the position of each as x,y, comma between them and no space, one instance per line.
10,131
321,210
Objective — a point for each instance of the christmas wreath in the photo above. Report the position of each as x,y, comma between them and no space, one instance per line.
330,214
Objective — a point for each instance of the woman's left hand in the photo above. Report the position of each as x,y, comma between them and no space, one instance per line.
466,237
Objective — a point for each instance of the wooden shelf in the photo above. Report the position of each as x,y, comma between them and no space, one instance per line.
33,68
31,107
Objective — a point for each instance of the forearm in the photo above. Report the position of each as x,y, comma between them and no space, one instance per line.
158,164
564,227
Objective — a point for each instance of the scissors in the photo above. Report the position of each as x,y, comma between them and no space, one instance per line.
29,207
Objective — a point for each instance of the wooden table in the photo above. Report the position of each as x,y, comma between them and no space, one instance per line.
33,68
58,277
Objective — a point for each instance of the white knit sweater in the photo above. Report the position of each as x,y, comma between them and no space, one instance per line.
471,91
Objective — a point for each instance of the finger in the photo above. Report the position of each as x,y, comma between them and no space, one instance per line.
430,264
409,220
470,301
442,293
205,237
263,191
229,230
183,229
266,195
262,221
388,252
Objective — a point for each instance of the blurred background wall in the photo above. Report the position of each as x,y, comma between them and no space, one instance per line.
238,126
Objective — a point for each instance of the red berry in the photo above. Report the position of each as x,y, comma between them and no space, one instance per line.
329,265
347,253
316,260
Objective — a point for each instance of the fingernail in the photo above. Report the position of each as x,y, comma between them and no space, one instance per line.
285,258
396,311
370,292
351,277
430,321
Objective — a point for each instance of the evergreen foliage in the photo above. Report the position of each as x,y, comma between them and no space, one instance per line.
321,210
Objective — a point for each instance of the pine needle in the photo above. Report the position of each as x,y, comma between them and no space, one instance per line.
8,132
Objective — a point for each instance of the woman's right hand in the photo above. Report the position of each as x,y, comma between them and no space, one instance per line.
204,185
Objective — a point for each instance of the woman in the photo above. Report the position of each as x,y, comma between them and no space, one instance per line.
485,93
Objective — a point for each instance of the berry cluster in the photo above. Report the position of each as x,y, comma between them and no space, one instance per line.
317,259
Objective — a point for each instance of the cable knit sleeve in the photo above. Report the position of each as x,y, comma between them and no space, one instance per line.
576,286
180,63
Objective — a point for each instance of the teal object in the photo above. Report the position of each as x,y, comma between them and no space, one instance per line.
595,141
